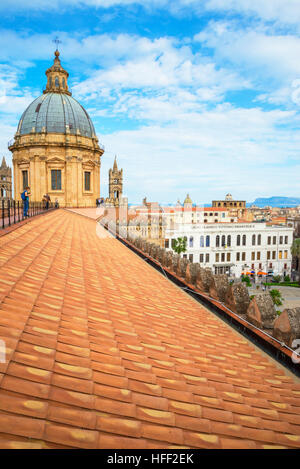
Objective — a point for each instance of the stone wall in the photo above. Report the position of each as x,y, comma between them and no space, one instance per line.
219,286
287,326
260,311
237,298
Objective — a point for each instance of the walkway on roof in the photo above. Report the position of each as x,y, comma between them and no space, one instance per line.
103,351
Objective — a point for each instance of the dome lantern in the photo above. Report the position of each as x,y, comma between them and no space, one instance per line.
57,77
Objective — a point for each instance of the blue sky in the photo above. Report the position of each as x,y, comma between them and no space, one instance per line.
198,96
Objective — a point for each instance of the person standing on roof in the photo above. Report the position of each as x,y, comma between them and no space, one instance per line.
25,197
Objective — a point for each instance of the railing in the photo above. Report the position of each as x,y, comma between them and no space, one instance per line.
12,211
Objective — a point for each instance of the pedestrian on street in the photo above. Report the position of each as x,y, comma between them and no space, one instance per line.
48,200
25,197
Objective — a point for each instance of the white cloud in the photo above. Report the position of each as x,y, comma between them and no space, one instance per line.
244,151
287,11
256,49
12,99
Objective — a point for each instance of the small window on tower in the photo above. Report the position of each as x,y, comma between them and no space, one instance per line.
56,82
25,179
64,82
87,181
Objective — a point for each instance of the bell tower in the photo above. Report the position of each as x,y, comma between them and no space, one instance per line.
115,184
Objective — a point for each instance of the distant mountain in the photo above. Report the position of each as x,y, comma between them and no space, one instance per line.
276,202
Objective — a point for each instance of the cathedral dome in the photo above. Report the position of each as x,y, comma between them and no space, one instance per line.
56,113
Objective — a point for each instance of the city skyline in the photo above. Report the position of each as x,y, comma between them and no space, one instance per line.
191,97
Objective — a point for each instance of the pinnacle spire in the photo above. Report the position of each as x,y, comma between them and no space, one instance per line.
3,164
115,167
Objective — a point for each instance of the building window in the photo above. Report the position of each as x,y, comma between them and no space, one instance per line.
238,240
223,257
258,255
201,258
285,254
270,265
259,239
268,255
228,257
191,242
217,241
56,179
244,240
87,181
286,240
243,256
25,179
252,266
281,240
206,257
253,240
223,240
64,82
184,256
274,255
228,240
280,255
260,266
217,257
191,257
207,241
56,82
237,256
269,239
201,241
274,239
253,256
166,243
285,266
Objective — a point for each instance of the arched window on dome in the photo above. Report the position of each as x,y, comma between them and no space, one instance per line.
64,83
50,82
56,82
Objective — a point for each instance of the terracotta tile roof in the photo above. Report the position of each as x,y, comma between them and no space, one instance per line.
103,351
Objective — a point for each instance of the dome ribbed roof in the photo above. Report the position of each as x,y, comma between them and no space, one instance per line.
56,113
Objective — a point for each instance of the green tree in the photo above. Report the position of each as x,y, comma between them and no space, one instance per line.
276,297
179,245
295,250
247,280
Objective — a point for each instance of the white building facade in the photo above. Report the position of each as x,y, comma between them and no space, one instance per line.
234,248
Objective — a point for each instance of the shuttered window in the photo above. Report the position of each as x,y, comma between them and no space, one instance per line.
56,179
87,181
